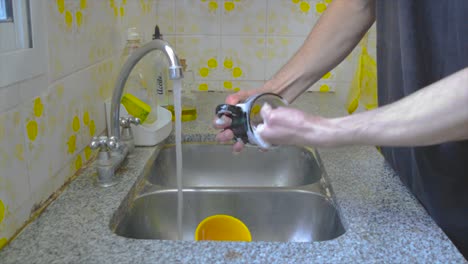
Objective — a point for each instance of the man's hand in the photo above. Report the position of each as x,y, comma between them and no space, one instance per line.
226,135
289,126
329,42
283,126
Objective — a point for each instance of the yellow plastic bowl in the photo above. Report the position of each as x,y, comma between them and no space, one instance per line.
222,228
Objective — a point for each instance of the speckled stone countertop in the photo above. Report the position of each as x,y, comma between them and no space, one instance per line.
383,222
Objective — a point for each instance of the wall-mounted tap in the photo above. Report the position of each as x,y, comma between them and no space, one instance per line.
175,73
124,145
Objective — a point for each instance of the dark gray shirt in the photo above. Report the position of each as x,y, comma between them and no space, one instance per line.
418,43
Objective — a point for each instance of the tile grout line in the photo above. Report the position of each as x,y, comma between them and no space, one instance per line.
81,69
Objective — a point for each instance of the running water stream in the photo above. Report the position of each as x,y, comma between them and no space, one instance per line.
178,140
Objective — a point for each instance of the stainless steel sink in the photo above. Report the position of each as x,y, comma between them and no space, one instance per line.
271,215
211,165
281,195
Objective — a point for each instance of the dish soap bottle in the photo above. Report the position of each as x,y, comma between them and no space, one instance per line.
136,83
161,72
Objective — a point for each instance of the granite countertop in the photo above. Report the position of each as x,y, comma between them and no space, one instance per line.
383,221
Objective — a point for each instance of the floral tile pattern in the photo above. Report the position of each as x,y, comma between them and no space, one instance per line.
243,18
198,17
229,45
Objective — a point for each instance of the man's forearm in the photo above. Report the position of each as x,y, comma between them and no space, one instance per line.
435,114
334,36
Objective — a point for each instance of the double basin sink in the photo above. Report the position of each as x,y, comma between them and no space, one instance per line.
280,195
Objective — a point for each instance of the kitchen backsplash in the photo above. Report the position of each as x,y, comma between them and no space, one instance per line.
233,45
46,122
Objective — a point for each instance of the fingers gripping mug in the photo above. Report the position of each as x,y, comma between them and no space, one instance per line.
246,116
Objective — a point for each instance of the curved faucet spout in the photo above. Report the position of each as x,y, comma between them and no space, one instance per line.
175,73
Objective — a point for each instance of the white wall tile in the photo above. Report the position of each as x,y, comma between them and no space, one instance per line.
242,85
9,97
198,17
61,40
286,17
244,17
165,16
41,149
243,58
202,54
207,85
95,34
33,87
278,51
324,86
14,182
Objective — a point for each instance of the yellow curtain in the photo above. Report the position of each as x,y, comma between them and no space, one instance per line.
363,88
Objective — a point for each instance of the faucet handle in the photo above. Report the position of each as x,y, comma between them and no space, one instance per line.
125,122
103,143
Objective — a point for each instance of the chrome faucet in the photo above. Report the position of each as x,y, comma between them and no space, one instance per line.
114,150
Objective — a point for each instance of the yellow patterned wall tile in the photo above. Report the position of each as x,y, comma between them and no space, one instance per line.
245,85
202,55
7,228
230,85
345,70
43,143
94,38
93,116
138,13
9,97
291,17
14,183
144,17
60,38
71,114
102,78
15,194
71,168
203,86
244,17
198,17
165,16
73,30
73,129
321,6
247,56
279,50
63,174
14,219
40,149
206,85
324,86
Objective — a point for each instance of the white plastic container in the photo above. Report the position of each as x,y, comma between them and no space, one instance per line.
145,134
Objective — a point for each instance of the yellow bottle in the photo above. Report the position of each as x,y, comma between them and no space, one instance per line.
189,110
189,113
